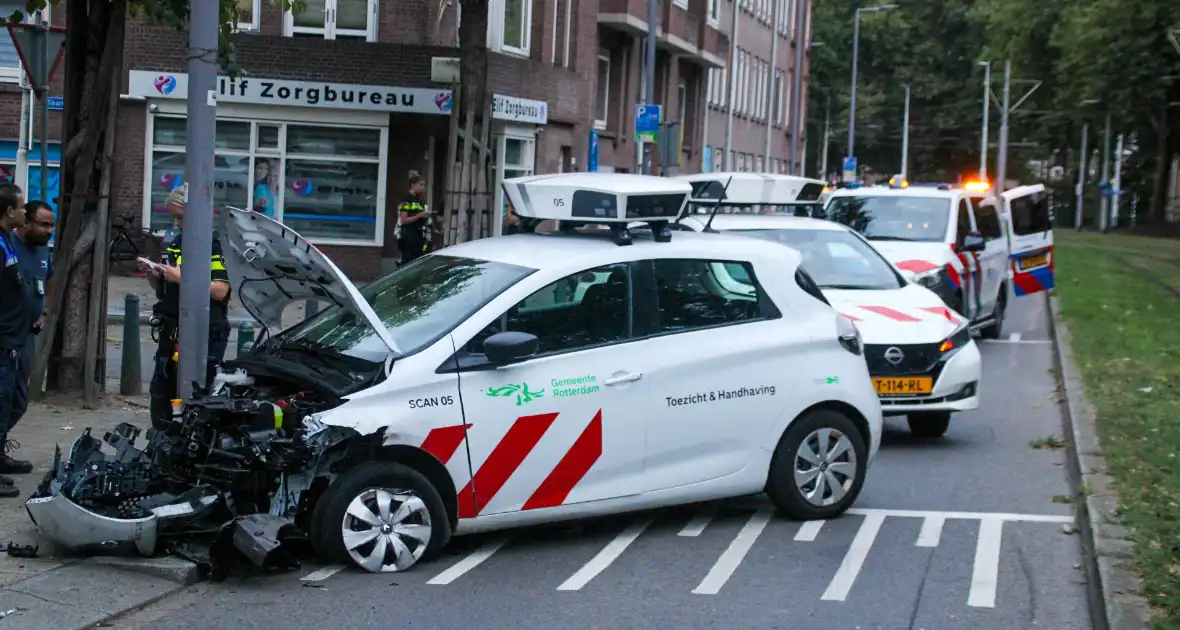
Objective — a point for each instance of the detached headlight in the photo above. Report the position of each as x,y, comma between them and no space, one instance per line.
958,339
929,279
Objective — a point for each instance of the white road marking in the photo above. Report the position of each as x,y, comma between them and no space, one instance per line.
698,523
1031,342
733,555
987,564
322,574
855,558
808,531
1014,337
931,531
970,516
474,559
609,554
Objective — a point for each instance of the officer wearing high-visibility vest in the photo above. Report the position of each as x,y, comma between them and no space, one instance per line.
166,315
414,230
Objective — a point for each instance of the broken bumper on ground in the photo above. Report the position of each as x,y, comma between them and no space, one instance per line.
78,529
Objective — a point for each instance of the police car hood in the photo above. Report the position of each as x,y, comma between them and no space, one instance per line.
914,258
271,266
910,315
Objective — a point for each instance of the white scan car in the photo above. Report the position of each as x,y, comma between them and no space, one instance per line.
540,377
922,359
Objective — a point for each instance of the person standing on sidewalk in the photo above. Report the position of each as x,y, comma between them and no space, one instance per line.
414,232
32,242
14,325
166,280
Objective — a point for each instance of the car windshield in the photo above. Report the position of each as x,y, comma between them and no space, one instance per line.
893,217
836,259
417,304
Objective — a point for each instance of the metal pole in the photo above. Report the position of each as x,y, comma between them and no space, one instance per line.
852,94
197,241
22,145
987,101
770,119
1117,183
1104,198
905,137
823,171
1002,157
653,27
1083,163
43,121
797,85
733,76
131,370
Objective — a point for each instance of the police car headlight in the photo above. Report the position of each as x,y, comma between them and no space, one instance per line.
929,279
957,340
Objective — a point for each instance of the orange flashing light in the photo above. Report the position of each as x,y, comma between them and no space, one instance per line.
946,346
977,186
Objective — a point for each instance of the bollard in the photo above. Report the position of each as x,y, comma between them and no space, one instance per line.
131,374
245,338
310,307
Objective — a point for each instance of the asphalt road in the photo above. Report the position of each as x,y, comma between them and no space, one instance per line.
961,532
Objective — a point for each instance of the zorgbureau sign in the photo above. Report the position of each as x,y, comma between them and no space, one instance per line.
319,94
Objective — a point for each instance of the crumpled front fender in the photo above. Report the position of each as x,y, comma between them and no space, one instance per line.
76,528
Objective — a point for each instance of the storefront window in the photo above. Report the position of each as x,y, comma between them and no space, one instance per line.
325,182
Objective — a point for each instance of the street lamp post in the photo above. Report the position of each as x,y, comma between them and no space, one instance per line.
987,90
855,60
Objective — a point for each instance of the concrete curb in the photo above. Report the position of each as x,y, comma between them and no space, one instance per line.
1115,603
116,317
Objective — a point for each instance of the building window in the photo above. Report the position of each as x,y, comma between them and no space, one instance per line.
602,101
325,182
10,65
248,11
778,97
32,187
516,152
713,17
759,165
510,26
334,19
682,95
683,4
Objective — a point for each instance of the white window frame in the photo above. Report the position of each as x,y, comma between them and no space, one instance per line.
13,74
329,30
779,112
264,115
255,24
496,17
603,55
682,4
527,167
682,96
713,13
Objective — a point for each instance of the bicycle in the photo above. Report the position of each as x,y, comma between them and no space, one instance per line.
128,245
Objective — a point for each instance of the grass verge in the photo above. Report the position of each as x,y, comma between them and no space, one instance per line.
1120,297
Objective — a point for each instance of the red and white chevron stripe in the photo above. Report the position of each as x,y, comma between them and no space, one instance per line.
508,455
915,315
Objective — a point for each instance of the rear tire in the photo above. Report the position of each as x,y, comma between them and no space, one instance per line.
366,488
929,425
996,328
818,467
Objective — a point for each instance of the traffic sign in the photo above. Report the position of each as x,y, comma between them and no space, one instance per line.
56,103
592,158
30,42
647,122
850,169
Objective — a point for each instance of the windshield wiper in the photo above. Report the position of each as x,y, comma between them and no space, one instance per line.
876,237
851,287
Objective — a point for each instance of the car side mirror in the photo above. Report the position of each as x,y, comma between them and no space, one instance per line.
510,347
974,242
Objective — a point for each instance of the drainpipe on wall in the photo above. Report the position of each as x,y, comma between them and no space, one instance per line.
733,53
770,82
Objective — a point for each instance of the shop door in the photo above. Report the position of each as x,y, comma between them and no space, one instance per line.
515,157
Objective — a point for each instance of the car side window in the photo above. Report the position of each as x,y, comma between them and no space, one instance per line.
579,311
988,220
695,293
964,222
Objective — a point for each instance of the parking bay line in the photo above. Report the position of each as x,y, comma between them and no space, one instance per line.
931,531
474,559
986,572
733,555
322,574
698,523
969,516
808,531
609,554
855,558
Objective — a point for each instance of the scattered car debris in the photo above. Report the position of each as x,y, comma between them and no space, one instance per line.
19,551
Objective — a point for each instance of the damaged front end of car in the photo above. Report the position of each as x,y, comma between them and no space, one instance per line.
235,477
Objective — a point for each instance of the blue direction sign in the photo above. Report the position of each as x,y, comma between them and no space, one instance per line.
849,168
592,158
56,103
647,122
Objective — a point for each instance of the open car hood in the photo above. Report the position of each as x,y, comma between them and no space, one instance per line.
272,266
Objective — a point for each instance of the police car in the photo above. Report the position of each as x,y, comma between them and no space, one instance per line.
970,255
922,359
537,377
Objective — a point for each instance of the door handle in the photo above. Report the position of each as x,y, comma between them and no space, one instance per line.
622,378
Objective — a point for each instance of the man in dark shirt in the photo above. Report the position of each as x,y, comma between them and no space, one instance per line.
413,227
32,248
166,280
14,324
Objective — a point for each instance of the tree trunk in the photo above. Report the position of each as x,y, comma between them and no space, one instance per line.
473,55
94,57
1159,172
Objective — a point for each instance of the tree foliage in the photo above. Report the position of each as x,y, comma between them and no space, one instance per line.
1092,57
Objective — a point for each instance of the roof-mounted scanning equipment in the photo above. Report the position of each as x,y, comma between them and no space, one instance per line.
798,195
611,199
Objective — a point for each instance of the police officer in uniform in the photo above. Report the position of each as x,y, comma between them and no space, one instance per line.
32,248
166,315
414,230
14,326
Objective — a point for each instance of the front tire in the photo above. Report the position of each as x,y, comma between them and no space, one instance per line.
818,467
929,425
380,516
